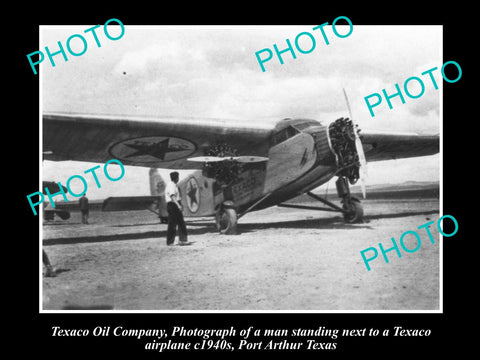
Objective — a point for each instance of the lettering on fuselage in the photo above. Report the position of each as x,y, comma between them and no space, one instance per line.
249,186
244,188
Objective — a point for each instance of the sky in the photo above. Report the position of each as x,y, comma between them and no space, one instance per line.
212,71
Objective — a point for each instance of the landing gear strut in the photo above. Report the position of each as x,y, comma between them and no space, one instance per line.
353,209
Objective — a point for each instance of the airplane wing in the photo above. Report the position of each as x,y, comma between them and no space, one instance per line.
148,142
388,145
169,142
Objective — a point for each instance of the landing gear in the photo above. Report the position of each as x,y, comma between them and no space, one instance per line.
346,145
353,209
226,218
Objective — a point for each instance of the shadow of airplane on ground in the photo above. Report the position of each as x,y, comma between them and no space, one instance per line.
200,228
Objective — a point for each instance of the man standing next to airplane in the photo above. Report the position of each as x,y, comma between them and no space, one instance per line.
174,209
83,202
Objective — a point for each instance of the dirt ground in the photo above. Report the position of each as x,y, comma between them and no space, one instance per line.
282,259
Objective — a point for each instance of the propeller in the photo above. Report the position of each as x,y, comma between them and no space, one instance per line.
250,159
360,152
240,159
206,159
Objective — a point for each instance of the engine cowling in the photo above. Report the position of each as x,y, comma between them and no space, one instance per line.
342,140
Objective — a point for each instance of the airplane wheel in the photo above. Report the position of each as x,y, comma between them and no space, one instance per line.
355,214
64,215
226,221
163,220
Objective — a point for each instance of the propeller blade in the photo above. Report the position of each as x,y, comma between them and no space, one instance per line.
240,159
359,148
250,159
207,159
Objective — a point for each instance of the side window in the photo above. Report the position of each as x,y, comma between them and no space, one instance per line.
279,137
291,132
284,134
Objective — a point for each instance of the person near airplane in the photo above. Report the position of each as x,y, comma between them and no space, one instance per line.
174,209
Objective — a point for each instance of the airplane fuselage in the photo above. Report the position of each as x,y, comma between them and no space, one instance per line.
300,159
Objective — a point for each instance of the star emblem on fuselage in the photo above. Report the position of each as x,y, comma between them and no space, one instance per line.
193,195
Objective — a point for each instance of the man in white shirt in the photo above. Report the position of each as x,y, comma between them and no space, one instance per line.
174,209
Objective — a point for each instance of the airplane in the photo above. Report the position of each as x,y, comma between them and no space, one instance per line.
239,166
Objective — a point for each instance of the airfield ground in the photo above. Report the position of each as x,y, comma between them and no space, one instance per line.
282,259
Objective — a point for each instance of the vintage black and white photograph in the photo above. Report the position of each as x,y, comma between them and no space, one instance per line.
241,168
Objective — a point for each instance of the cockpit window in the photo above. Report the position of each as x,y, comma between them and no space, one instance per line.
284,134
303,125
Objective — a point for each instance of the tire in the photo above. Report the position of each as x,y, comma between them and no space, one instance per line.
63,214
163,220
226,221
355,214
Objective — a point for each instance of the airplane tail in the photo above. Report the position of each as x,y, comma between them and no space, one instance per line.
155,202
157,184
